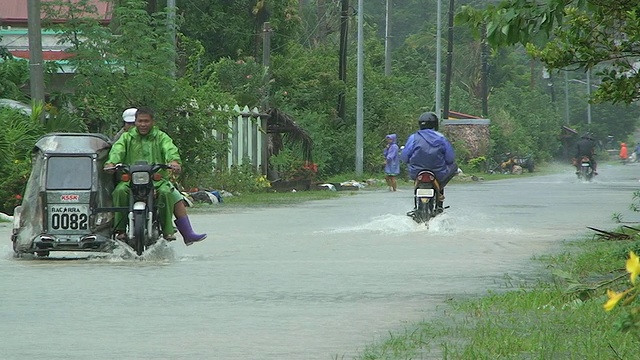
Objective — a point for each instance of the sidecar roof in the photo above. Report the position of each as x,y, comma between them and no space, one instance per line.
72,143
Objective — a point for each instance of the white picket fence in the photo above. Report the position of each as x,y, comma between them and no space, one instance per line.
247,140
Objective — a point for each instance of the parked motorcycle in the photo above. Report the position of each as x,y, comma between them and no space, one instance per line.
585,172
426,191
143,227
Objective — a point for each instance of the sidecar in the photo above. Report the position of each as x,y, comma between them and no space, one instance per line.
62,198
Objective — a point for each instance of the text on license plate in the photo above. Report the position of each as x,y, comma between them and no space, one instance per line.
69,217
424,193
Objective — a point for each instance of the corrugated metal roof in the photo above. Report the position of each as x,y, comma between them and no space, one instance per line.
14,12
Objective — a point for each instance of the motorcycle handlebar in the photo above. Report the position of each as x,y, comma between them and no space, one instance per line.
154,167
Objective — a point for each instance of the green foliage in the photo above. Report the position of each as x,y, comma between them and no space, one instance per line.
290,167
18,134
571,34
14,74
245,79
239,179
524,123
478,163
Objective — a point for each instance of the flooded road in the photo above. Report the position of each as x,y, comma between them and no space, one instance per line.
319,280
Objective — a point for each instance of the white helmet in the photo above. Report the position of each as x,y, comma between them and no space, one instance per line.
129,115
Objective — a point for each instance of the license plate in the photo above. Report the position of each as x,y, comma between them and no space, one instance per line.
585,164
68,217
424,193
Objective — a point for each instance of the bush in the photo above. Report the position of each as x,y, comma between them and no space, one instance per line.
239,179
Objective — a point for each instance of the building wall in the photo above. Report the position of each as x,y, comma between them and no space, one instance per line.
473,134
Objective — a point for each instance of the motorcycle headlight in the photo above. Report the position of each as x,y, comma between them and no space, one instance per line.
140,178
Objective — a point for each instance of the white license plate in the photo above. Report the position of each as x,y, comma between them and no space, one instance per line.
585,164
68,217
424,193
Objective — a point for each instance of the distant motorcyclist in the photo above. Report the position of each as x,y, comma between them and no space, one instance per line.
586,146
427,149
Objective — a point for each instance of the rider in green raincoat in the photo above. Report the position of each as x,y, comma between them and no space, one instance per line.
147,142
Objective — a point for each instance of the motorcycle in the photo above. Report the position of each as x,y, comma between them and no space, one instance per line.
426,191
143,227
585,171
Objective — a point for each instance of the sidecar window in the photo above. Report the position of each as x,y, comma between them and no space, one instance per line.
66,173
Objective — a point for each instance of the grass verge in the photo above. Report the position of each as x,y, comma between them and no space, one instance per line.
559,317
267,199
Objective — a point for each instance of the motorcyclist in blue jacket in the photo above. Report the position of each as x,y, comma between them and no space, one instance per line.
427,149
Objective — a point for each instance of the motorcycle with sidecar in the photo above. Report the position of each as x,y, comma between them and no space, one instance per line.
67,199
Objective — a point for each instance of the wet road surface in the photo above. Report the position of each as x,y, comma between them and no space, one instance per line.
319,280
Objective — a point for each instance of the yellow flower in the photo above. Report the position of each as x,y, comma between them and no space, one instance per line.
633,266
614,298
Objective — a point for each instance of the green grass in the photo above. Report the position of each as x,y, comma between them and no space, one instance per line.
559,317
269,199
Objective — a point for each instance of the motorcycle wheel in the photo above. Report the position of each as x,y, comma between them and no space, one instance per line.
422,212
139,232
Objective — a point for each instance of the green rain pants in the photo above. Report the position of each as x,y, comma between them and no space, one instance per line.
166,198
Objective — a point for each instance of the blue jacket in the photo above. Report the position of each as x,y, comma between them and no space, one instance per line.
392,165
429,150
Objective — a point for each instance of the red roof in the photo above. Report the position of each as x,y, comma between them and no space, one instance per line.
46,54
14,12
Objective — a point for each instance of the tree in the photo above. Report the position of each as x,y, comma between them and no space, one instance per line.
571,34
131,67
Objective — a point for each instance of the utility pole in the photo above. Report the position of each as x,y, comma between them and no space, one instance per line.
266,62
438,57
566,97
484,84
447,81
36,68
342,66
589,97
387,42
359,107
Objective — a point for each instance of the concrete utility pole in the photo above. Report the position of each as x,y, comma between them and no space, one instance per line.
566,97
449,73
387,42
342,66
36,68
359,107
438,58
485,71
266,61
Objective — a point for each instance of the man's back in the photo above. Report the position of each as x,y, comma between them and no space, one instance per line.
428,149
585,147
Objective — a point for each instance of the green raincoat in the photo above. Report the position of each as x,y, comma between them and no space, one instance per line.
155,148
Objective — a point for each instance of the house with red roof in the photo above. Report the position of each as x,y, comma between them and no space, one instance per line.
14,30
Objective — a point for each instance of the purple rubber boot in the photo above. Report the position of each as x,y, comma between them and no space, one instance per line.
184,227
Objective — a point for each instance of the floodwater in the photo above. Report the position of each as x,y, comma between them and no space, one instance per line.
319,280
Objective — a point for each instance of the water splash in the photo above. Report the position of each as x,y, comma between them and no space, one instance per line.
444,224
